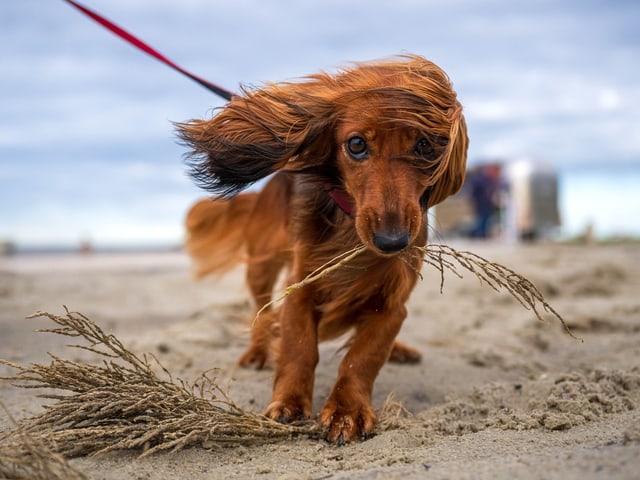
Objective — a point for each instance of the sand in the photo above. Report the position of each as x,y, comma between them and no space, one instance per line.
498,394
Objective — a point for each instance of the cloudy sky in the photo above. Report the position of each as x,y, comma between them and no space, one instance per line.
87,150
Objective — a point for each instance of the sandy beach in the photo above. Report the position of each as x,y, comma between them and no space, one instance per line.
498,395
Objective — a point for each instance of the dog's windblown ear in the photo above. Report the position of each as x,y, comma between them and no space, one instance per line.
453,176
256,134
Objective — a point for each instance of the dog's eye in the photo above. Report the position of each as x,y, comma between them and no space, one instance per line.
430,149
357,148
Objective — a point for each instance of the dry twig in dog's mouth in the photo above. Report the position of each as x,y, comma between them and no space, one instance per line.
442,258
316,275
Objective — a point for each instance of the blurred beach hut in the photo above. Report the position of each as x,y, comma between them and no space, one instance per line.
532,210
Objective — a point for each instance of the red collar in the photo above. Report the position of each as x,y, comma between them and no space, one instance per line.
342,199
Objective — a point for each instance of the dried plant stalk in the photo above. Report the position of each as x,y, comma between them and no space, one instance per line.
124,404
497,276
28,457
316,275
445,258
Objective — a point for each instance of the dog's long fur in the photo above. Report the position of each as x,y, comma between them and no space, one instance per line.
360,156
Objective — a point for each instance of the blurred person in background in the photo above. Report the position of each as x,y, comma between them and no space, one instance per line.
484,189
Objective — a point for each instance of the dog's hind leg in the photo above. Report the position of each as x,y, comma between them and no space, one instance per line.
261,278
267,237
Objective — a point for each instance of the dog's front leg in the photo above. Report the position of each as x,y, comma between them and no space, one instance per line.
348,414
297,360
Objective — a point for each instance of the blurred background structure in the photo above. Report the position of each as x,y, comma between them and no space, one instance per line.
512,201
88,155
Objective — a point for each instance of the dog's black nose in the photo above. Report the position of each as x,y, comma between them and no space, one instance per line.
390,242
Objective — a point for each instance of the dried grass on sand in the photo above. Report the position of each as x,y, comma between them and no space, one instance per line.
28,457
123,404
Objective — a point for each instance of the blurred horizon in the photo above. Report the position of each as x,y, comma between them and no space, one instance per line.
599,215
87,147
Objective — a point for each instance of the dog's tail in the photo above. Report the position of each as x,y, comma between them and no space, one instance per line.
216,240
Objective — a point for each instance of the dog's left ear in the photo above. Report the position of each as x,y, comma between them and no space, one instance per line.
453,176
258,133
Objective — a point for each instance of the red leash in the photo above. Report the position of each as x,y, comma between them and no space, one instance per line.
226,94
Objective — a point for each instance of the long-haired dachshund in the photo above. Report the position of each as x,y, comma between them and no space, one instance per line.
360,156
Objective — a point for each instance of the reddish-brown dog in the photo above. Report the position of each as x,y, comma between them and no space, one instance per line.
361,155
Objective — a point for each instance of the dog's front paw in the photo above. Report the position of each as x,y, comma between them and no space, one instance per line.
343,425
287,411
